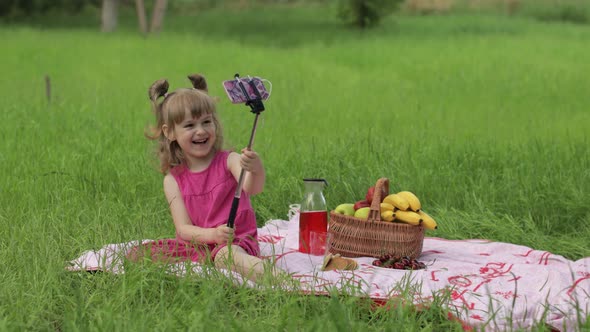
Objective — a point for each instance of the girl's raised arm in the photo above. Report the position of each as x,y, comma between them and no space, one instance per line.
255,176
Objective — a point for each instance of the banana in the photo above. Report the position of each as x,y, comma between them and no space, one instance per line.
388,215
412,200
386,207
428,222
397,201
408,217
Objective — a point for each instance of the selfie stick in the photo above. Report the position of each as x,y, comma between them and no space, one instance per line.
256,106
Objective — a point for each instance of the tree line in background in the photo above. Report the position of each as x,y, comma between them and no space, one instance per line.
110,14
109,10
16,8
360,13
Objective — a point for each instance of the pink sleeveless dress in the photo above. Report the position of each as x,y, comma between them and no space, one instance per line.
208,197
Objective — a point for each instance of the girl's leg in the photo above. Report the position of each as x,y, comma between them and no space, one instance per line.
240,261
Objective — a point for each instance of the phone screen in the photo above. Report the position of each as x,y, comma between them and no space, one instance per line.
236,95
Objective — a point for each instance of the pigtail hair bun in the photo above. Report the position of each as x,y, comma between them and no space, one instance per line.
158,89
198,81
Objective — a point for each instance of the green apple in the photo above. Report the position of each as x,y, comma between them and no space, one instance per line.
362,213
345,208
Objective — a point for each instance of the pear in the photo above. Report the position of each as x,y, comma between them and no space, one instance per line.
345,208
362,213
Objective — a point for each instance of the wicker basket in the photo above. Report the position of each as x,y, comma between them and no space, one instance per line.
354,237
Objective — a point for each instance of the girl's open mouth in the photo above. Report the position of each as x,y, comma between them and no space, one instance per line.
203,141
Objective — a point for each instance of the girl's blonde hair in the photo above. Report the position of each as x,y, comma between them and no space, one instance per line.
171,111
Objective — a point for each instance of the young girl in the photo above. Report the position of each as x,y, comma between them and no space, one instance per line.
200,182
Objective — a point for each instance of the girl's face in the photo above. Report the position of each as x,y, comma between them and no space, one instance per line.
195,136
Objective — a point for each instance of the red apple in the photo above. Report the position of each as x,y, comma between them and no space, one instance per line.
369,195
383,194
361,204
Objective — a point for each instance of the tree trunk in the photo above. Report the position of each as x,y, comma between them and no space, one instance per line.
141,17
109,15
158,15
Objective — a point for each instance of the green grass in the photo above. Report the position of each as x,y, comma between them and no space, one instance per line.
485,118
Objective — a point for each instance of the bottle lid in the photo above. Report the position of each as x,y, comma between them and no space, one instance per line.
316,180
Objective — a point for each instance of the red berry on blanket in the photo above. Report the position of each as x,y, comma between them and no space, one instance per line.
398,265
397,262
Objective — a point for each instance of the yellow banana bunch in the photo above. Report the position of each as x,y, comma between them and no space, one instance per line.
412,200
397,201
388,215
385,207
386,211
427,221
408,217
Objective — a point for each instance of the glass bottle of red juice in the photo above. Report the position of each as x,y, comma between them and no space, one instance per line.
313,218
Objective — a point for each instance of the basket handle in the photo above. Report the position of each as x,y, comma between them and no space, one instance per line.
382,186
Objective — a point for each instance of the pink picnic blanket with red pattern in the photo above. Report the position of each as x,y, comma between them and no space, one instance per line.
491,286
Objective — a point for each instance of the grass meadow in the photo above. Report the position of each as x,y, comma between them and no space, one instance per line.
485,117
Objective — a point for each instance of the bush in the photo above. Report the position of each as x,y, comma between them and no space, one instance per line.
10,8
565,13
366,13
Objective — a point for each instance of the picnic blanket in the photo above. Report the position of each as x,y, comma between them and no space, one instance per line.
491,286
